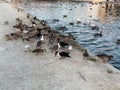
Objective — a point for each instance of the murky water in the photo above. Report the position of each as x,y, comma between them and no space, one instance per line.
107,20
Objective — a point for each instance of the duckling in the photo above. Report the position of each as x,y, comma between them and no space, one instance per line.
33,23
14,35
105,55
71,37
63,28
43,22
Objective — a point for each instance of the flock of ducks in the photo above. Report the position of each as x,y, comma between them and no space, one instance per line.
59,44
39,33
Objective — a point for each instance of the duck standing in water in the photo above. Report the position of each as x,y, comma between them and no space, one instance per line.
62,54
100,34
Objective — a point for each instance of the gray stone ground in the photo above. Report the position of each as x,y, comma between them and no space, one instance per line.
21,70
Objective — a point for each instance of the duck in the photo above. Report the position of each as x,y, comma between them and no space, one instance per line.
34,23
98,34
63,27
62,54
34,18
85,54
27,48
55,20
38,35
39,50
94,27
64,45
64,16
39,44
71,37
105,57
78,21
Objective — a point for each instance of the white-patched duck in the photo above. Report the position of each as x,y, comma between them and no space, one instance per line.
64,45
62,54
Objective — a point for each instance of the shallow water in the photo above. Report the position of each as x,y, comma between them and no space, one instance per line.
107,20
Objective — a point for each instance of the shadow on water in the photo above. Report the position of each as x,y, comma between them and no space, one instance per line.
108,20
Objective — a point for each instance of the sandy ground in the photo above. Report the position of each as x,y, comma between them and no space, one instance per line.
21,70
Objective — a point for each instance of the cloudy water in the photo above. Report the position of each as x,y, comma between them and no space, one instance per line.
89,15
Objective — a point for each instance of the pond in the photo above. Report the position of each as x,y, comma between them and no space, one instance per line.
88,14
